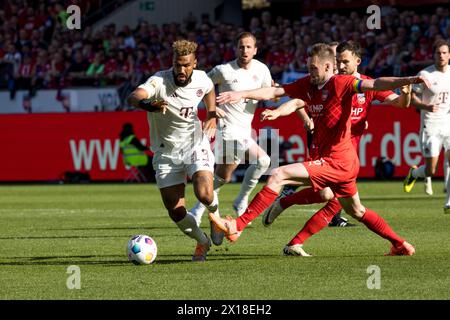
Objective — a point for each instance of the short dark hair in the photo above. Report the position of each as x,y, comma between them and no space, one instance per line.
245,34
333,43
351,46
323,51
439,43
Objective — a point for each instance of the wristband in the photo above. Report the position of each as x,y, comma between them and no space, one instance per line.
212,114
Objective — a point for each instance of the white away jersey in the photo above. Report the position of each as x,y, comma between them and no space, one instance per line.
439,94
174,131
230,77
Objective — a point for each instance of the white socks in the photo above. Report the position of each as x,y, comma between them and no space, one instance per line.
214,205
189,226
251,178
199,208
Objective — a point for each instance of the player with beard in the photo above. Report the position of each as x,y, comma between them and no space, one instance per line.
348,57
179,144
334,163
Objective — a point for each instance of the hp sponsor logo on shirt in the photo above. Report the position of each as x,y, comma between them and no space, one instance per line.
315,108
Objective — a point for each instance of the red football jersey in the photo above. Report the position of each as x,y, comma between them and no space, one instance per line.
330,107
361,104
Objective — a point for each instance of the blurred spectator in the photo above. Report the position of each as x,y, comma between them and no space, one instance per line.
37,51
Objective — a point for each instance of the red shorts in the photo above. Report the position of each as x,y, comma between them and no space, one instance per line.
340,176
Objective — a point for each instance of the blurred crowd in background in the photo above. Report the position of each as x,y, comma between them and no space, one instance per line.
37,51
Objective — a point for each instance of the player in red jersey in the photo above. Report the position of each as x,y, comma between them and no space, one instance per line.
348,59
335,163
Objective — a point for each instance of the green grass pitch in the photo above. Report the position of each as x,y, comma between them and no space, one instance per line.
46,229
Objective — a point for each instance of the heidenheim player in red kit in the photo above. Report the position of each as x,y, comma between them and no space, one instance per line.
348,57
334,161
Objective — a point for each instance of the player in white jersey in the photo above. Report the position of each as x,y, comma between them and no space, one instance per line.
434,104
234,141
179,144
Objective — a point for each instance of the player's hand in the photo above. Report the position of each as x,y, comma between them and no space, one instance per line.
432,107
220,113
421,79
209,127
229,97
309,126
269,114
153,105
406,89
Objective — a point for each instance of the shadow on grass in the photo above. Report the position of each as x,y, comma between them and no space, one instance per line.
116,228
75,237
121,261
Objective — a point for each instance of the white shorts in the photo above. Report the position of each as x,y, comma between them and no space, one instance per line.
228,150
171,171
432,143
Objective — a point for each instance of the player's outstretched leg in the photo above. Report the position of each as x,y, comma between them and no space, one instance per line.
288,174
233,227
305,196
377,224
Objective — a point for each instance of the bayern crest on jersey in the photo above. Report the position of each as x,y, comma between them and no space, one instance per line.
324,95
361,98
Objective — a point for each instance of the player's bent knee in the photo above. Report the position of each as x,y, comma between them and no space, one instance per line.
177,214
326,194
263,163
276,176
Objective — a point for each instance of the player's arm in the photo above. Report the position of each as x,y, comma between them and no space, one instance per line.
283,110
401,101
209,126
141,99
307,121
387,83
266,93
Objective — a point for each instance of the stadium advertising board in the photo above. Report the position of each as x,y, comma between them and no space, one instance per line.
74,100
42,147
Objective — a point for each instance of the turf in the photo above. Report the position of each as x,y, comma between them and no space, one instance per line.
46,229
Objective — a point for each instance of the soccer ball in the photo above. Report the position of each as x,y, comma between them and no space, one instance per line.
141,249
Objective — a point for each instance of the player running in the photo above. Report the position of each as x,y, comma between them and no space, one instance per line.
348,59
334,161
434,105
180,146
234,142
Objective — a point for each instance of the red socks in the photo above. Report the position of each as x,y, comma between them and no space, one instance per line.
260,202
305,196
377,224
317,222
